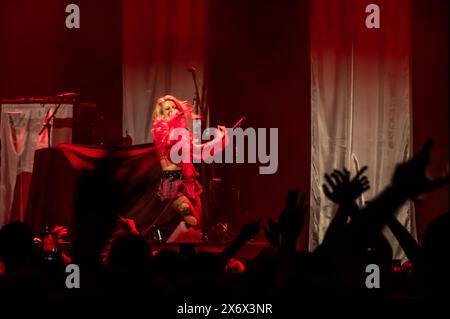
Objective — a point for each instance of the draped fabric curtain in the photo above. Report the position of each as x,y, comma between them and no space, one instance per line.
360,101
19,136
161,39
134,173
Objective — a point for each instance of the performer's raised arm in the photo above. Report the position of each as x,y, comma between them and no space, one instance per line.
217,144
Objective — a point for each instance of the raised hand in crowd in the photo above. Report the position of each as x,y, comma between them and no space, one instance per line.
343,191
247,232
272,233
411,179
284,234
60,232
292,219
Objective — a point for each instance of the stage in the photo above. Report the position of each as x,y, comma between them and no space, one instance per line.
310,136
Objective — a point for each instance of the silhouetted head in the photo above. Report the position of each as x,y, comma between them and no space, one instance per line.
130,253
168,263
206,263
434,261
16,245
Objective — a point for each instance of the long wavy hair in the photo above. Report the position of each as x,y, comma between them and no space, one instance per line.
183,106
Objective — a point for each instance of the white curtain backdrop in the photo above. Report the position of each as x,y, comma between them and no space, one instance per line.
19,135
160,40
360,101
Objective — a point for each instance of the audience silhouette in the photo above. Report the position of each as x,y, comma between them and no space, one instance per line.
129,269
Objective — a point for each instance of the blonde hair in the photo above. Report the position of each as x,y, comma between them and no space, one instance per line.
183,107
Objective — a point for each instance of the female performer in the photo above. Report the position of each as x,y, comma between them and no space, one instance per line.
178,181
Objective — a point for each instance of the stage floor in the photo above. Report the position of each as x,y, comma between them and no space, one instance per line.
249,251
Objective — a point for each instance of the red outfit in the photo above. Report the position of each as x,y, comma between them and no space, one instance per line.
188,185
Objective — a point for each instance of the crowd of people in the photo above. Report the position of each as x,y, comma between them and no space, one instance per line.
130,270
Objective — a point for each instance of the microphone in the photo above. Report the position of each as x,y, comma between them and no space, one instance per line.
191,69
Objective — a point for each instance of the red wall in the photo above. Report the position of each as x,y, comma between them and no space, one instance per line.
430,97
260,67
40,57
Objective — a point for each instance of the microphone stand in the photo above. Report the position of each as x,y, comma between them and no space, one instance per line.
197,101
200,167
48,126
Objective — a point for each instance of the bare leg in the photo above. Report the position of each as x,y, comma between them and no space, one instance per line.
184,206
186,229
